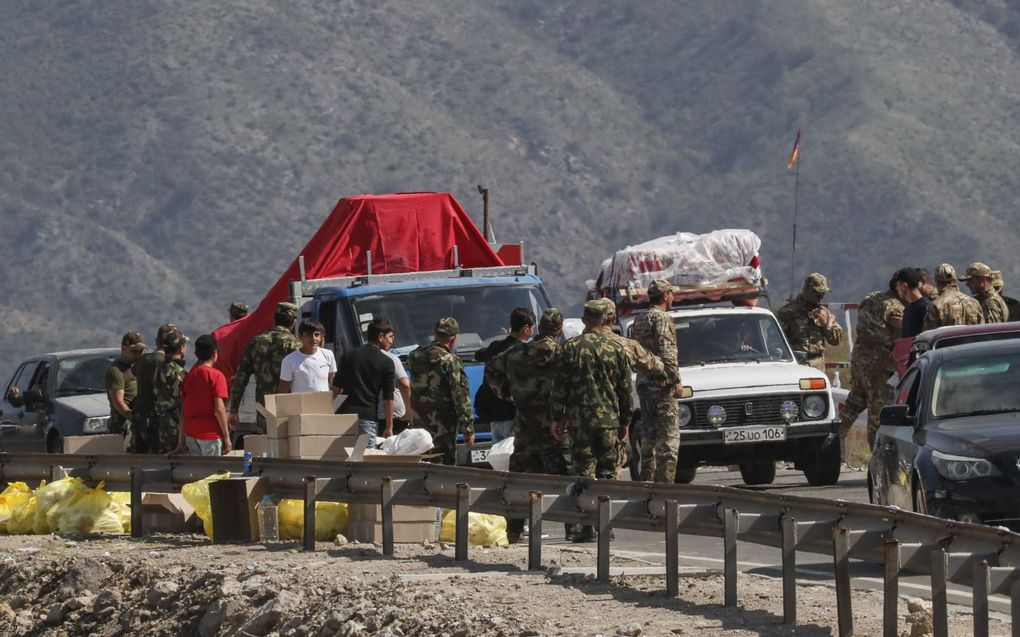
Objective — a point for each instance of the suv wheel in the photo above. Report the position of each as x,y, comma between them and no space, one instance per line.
758,472
685,475
822,467
54,442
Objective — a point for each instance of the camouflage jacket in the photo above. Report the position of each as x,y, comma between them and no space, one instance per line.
993,308
878,320
952,307
145,370
647,365
524,374
166,385
803,331
592,386
654,330
262,358
440,393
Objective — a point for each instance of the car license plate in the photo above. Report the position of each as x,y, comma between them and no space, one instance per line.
760,433
479,455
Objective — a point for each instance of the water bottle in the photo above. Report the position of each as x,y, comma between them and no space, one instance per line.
247,463
269,520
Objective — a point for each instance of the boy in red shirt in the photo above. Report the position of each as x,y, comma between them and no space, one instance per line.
204,431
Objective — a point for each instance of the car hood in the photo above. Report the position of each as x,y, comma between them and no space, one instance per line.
977,436
743,375
88,405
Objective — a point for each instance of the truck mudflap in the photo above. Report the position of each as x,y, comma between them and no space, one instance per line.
755,434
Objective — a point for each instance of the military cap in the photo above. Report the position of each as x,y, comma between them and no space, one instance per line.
133,341
816,282
286,309
608,308
658,287
945,272
997,281
551,321
448,326
594,311
173,340
163,330
238,309
976,269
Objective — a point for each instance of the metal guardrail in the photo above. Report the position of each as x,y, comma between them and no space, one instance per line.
984,558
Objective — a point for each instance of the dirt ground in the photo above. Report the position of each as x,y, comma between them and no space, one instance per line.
185,585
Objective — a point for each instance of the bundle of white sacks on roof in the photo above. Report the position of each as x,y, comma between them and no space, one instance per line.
686,259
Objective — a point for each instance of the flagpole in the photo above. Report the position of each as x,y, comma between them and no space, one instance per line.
796,196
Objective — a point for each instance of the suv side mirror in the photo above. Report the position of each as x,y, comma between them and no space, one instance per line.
33,398
895,416
800,356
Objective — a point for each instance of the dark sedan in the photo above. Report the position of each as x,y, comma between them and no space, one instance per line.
950,445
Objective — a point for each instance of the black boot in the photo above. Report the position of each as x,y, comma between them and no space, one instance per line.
570,531
586,534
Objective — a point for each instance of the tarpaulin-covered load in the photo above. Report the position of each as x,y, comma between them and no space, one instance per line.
406,232
686,260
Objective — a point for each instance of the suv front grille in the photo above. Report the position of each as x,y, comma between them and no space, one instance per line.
764,410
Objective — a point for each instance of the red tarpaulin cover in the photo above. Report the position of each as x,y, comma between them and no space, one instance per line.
406,232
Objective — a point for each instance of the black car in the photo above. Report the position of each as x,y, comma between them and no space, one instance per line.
950,444
52,396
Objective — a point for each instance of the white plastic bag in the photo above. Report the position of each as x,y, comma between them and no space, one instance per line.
409,442
499,454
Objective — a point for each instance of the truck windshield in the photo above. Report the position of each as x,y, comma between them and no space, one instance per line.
82,375
483,313
718,339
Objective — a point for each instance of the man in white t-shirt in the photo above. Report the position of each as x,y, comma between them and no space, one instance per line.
310,368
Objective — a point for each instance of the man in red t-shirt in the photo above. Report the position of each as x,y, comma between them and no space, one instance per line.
204,431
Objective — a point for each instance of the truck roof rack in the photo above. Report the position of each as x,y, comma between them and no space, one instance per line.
736,292
310,286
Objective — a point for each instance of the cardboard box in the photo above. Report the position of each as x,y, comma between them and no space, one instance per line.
279,407
322,425
278,447
326,447
257,445
233,500
96,444
401,513
167,513
403,532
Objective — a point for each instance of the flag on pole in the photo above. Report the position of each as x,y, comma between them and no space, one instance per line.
795,153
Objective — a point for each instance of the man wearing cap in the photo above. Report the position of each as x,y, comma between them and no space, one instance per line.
524,374
879,320
204,428
660,427
262,358
440,393
1012,304
238,310
979,279
167,390
591,400
121,386
144,428
951,307
807,324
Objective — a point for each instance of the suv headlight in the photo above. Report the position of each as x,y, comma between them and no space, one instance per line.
953,467
815,405
685,415
97,425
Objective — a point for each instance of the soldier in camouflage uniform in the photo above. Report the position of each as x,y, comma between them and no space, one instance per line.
807,324
121,385
591,400
641,360
144,428
167,391
238,310
879,320
979,279
1013,305
440,393
525,374
262,358
660,427
951,307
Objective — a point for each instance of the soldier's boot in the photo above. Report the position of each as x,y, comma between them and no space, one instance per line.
514,530
586,534
571,531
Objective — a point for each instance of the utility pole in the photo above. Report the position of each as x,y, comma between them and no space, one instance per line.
484,192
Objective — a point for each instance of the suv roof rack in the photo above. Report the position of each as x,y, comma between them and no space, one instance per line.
310,286
736,292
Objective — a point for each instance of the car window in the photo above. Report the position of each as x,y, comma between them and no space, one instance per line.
906,391
975,338
40,379
14,379
974,386
26,376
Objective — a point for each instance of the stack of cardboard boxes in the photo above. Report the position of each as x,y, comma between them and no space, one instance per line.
410,524
303,426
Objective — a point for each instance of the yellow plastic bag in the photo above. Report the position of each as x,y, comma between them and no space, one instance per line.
89,513
121,507
16,494
22,520
484,529
52,498
330,520
197,495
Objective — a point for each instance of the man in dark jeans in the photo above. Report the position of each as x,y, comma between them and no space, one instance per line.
363,375
499,413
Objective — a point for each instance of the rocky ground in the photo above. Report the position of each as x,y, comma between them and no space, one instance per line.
184,585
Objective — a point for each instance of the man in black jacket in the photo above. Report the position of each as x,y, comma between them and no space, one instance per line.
499,413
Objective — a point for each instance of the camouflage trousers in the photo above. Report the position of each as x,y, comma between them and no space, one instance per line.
869,375
168,426
144,434
595,452
536,451
445,444
660,434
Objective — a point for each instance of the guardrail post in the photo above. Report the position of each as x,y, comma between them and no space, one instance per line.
841,566
1014,605
387,516
979,590
56,472
460,551
672,548
602,561
137,484
891,588
310,495
939,594
730,526
789,529
535,531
